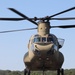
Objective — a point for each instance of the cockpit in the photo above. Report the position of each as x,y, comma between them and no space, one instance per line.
44,41
39,39
49,39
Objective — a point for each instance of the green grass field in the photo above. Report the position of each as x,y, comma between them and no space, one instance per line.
9,72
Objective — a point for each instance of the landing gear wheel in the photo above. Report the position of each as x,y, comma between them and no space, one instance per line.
29,72
60,71
26,72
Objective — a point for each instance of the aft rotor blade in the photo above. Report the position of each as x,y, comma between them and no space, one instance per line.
22,15
17,30
65,26
71,18
62,12
11,19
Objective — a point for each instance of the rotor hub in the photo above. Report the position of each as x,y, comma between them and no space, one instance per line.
43,28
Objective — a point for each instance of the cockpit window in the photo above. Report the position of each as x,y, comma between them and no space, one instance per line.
36,39
49,39
44,39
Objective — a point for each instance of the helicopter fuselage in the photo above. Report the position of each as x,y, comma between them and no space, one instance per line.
43,50
43,53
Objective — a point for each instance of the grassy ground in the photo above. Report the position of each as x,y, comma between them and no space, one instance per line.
8,72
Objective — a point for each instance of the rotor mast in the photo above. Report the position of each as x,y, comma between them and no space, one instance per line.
44,28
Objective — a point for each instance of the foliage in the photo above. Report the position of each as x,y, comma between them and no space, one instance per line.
8,72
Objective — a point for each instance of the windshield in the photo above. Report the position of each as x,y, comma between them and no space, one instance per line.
42,39
36,39
49,39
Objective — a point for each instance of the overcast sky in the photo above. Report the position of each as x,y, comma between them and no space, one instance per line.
13,46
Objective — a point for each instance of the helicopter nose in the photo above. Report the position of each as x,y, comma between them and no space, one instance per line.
42,49
37,52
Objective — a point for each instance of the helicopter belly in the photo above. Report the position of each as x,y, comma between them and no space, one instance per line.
52,62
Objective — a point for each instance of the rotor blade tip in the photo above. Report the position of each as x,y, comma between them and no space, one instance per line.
10,8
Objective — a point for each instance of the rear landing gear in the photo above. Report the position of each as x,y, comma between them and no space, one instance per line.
26,71
60,72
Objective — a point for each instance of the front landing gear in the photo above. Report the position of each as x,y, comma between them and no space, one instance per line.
26,71
60,72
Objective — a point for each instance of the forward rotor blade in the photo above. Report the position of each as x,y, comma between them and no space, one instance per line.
11,19
72,18
22,15
62,12
65,26
19,19
17,30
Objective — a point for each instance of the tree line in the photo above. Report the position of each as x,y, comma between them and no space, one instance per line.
9,72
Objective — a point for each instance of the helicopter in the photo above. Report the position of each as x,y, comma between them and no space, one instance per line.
43,48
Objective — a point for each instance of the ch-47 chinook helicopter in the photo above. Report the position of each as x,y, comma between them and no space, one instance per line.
43,48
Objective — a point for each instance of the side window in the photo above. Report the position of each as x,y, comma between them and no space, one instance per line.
61,42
